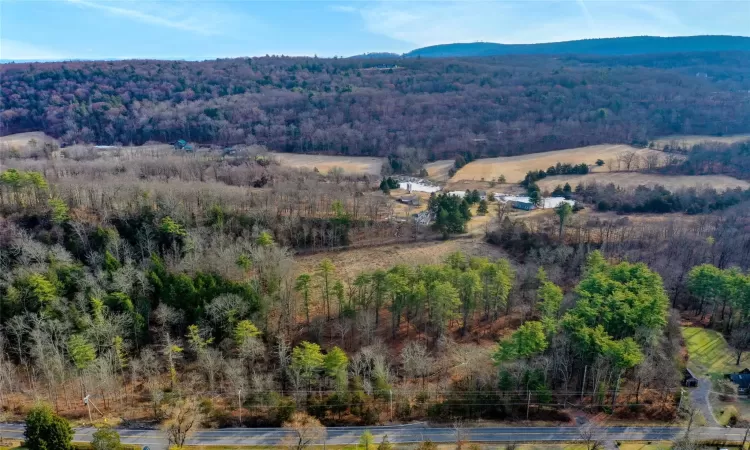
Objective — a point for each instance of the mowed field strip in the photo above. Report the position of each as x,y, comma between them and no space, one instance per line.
324,163
710,353
633,180
515,167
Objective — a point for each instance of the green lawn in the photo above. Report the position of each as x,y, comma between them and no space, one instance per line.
709,352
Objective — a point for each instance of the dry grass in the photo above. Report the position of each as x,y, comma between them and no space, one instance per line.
633,179
690,140
324,163
438,170
22,139
515,167
350,263
119,153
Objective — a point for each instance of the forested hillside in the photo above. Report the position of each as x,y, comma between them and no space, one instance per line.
633,45
488,106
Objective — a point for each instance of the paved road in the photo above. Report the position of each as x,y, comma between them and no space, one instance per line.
400,434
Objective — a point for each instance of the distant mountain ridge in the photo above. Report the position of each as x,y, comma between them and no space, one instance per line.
376,55
635,45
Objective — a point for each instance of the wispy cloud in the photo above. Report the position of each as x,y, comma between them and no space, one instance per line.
586,13
343,8
17,51
429,23
657,13
164,17
425,23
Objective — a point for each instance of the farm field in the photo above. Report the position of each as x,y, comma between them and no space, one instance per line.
324,163
632,180
514,168
690,140
438,170
709,352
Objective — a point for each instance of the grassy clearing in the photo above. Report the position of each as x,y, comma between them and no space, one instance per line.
20,141
633,180
324,163
349,263
709,352
438,170
515,167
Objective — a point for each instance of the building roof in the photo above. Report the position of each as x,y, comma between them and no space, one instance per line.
740,379
548,202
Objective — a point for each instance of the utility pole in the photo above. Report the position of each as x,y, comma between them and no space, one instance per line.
390,393
88,406
239,403
528,405
583,386
614,394
682,394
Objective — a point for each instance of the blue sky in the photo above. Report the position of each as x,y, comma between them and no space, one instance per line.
200,29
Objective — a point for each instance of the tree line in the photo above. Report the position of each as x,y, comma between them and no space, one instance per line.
656,199
711,157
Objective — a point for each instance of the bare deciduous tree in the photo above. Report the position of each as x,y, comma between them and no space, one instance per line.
182,418
306,431
416,360
590,435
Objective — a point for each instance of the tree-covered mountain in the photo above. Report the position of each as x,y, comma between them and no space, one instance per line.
636,45
499,105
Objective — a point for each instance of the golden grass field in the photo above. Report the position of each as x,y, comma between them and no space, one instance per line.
632,180
324,163
690,140
438,170
514,168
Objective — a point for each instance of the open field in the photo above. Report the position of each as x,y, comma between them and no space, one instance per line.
22,139
349,263
709,352
690,140
438,170
632,180
324,163
515,167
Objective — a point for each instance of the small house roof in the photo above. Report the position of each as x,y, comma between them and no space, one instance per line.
740,379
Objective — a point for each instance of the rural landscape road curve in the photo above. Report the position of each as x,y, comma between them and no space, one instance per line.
156,439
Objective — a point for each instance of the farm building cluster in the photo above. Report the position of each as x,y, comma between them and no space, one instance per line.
519,202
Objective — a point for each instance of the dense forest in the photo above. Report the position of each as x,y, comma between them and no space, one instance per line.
488,106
